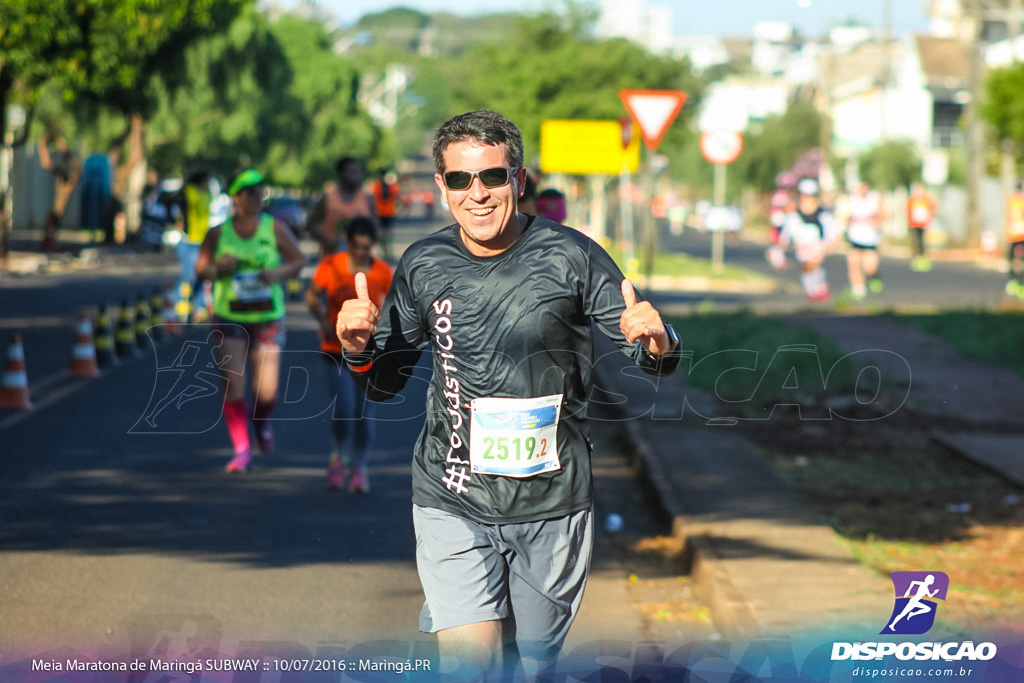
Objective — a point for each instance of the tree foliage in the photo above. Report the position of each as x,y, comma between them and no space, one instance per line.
1003,107
273,95
101,48
890,165
776,146
551,69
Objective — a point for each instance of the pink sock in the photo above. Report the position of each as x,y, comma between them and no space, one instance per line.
236,417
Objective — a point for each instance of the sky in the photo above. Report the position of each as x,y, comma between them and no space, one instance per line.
723,17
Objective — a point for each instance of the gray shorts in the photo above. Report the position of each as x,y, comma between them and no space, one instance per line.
529,575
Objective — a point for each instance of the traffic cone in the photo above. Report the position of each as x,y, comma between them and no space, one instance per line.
170,321
104,339
156,314
14,392
142,321
83,355
183,308
124,340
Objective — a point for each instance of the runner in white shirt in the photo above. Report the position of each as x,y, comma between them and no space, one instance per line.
811,231
864,233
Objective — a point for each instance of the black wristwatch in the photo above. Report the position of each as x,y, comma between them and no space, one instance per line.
672,337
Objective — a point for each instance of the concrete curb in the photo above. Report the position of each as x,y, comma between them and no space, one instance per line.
732,612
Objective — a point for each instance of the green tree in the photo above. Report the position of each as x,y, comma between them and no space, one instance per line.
270,94
104,50
551,68
777,144
1003,106
890,165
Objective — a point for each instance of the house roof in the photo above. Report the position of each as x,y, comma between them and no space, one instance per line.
944,61
739,48
863,66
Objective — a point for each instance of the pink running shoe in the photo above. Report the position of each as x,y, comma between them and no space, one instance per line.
239,464
360,481
336,468
265,436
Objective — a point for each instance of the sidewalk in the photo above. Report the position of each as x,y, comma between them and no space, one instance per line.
765,563
75,251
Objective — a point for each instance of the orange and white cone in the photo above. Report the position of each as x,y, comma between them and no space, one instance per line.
171,324
83,355
14,391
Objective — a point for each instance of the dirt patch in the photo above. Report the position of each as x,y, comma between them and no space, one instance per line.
905,502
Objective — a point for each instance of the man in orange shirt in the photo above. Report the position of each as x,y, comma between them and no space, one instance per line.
334,283
921,210
1015,237
385,195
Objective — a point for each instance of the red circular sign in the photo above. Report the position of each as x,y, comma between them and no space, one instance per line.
721,146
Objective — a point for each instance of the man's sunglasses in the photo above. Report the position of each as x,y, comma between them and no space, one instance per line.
489,177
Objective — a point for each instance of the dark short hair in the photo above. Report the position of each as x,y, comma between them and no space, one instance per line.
488,127
343,162
361,225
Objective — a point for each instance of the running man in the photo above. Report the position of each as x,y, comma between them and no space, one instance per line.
864,233
921,210
1015,238
811,230
67,169
385,197
341,202
916,605
502,499
353,425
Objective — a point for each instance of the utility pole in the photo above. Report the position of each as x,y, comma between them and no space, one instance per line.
1008,159
975,127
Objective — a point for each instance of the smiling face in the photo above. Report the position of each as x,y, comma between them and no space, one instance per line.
488,218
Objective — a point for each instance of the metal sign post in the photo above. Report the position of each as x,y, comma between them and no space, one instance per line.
654,111
721,148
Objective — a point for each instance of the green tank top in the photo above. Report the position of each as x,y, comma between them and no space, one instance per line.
241,297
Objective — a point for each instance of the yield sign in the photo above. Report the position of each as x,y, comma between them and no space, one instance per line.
654,111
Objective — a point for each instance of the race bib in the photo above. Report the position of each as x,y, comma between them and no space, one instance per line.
514,437
249,288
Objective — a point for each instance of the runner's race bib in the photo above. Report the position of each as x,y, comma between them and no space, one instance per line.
249,287
251,294
514,437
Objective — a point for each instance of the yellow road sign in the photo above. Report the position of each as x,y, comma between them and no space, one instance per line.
587,146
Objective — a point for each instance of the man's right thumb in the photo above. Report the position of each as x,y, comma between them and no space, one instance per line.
362,292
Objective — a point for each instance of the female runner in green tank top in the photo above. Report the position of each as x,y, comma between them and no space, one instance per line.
247,258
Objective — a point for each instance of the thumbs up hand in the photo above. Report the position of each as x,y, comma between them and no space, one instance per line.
641,322
357,320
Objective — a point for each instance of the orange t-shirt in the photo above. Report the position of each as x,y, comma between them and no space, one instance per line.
334,276
920,210
1015,217
386,206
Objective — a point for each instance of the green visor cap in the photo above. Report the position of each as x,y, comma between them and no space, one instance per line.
245,179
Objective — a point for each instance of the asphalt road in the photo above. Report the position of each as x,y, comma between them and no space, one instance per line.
950,283
120,534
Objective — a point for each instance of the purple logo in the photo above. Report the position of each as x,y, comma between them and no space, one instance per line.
917,596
